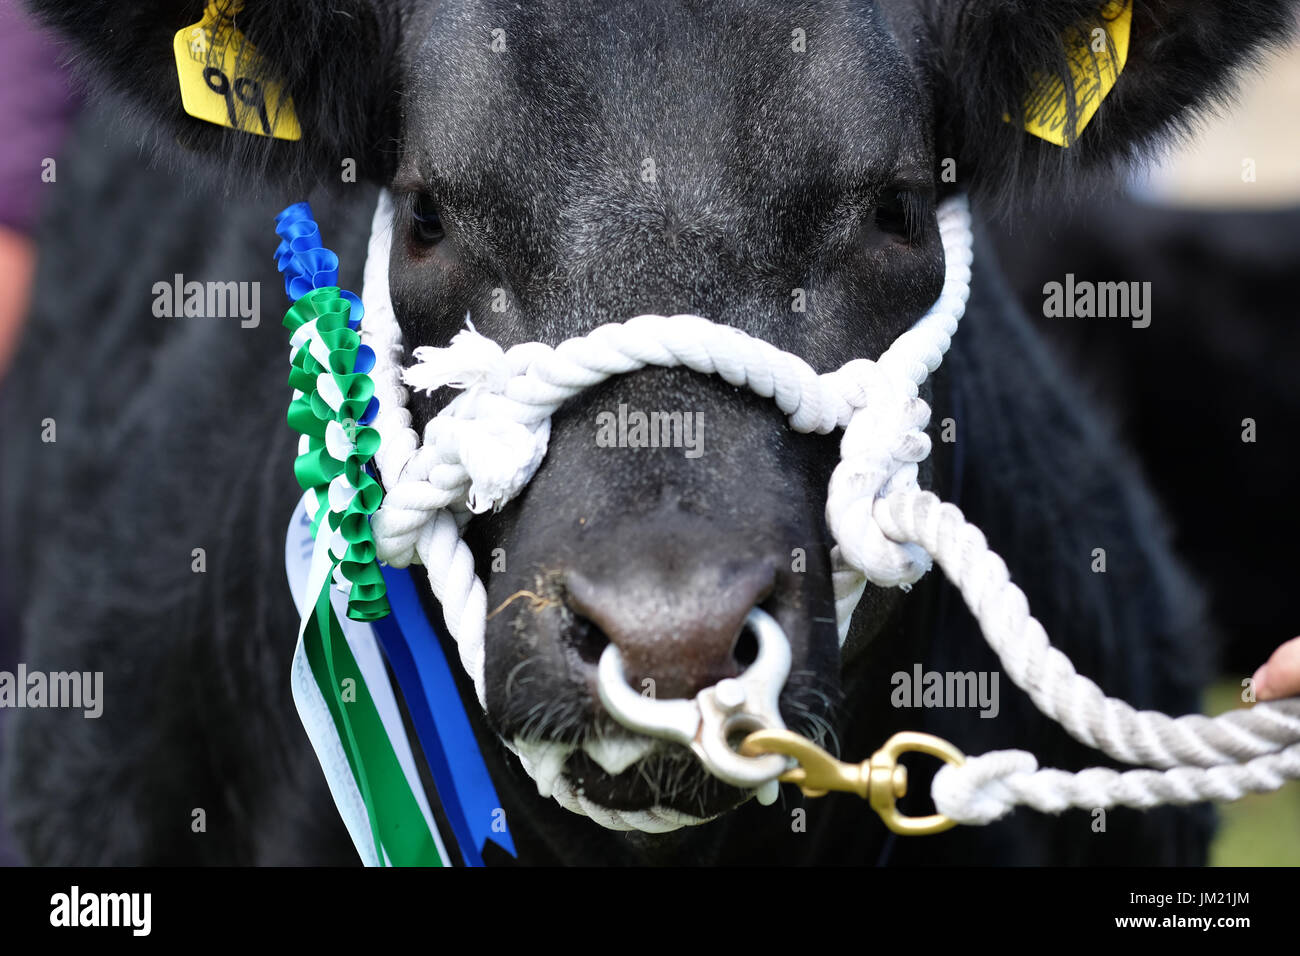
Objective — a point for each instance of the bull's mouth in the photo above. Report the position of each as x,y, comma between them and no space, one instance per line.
630,772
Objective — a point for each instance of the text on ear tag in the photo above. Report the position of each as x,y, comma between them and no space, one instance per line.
1096,50
224,81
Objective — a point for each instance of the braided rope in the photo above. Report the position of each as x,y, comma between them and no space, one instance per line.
484,446
1047,676
990,786
1222,758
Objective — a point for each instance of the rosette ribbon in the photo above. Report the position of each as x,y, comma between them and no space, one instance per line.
332,407
355,727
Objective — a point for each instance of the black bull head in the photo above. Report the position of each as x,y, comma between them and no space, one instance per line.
771,167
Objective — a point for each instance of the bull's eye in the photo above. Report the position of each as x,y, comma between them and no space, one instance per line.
900,213
891,213
426,224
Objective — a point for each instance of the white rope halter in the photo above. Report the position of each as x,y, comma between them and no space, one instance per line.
482,449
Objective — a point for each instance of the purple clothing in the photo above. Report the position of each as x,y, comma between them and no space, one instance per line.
37,103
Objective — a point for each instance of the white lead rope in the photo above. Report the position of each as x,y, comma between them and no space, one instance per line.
483,447
1220,758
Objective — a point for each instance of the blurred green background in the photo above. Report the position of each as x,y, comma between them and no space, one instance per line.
1261,829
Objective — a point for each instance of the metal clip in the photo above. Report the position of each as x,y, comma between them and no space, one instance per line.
881,780
717,715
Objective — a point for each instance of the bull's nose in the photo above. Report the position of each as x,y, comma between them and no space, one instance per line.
684,632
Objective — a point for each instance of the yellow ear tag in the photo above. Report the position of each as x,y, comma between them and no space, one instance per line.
223,81
1096,50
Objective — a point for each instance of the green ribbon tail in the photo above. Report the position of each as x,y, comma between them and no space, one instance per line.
396,821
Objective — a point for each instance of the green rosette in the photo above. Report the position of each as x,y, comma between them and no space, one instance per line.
329,346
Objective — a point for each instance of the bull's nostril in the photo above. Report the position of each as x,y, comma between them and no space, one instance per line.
745,650
587,639
679,627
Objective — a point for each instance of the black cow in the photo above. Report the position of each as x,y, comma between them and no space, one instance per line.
813,163
1218,351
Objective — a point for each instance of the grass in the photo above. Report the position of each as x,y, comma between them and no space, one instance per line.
1261,829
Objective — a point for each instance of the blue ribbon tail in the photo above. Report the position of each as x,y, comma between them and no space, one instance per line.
464,787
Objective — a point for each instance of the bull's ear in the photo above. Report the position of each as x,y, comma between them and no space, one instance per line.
989,62
336,61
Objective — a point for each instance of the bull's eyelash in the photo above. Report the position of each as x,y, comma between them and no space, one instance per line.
904,211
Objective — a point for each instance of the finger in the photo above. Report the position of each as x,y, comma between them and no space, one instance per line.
1280,675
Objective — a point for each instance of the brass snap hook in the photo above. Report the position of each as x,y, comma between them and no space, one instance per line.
880,780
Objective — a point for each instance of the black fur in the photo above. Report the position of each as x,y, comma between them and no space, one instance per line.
977,58
1223,313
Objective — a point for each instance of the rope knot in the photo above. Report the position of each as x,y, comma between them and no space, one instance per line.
499,456
471,361
883,441
976,792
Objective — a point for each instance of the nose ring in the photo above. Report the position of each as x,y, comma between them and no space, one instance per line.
707,723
